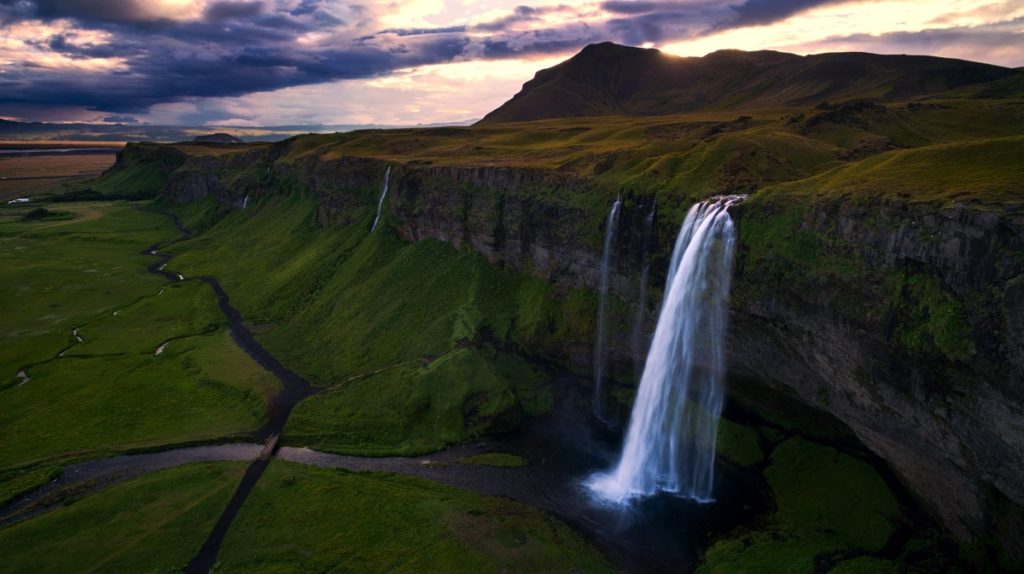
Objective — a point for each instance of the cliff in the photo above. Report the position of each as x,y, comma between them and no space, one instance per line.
887,298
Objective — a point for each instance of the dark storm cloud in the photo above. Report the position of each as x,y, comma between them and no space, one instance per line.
754,12
238,47
120,120
229,10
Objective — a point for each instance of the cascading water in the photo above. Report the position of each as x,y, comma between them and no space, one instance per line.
601,343
670,444
383,195
641,309
245,201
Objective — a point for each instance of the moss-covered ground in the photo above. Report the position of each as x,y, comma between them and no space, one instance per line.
331,520
833,513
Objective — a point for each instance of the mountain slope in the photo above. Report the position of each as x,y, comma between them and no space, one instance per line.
609,79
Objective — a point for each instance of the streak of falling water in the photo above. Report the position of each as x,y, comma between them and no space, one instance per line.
383,194
601,341
670,444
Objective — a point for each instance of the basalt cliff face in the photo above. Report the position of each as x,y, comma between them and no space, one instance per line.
914,342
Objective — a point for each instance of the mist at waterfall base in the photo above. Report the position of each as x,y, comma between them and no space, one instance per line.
670,443
601,341
383,196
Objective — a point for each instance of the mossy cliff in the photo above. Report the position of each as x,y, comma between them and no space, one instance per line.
883,287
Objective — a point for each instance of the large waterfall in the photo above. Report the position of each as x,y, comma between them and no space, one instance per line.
601,342
383,195
670,444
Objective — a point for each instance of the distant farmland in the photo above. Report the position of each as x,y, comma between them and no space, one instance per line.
27,175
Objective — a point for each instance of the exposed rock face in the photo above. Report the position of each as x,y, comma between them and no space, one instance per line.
951,425
953,430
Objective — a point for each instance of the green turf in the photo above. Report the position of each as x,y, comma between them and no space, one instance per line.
152,524
819,488
827,503
418,409
305,519
738,444
63,274
110,392
198,389
15,482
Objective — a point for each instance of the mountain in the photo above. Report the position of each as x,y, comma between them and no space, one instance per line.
219,137
610,79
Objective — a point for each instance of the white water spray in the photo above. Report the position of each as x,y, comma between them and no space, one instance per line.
383,194
670,444
245,201
601,343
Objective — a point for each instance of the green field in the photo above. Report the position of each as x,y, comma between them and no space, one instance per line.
110,392
329,520
154,523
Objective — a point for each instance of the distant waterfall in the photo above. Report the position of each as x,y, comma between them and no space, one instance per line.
245,201
670,444
601,342
641,309
383,195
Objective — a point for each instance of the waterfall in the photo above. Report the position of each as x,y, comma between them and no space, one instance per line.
670,444
641,309
383,194
245,201
601,342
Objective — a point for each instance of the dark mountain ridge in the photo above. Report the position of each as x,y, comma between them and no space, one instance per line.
610,79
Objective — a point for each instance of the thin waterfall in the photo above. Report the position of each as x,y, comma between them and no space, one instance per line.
641,310
601,341
383,195
245,201
670,443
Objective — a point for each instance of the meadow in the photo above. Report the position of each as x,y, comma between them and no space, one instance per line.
83,322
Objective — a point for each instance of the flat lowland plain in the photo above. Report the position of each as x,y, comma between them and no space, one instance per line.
154,523
80,376
29,175
330,520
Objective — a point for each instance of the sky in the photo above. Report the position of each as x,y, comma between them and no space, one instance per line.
408,62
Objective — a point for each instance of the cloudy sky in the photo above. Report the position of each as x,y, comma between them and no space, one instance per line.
279,62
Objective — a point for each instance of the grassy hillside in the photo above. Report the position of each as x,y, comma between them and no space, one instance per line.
415,342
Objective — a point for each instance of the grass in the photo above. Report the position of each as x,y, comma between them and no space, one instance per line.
416,341
154,523
738,444
110,392
419,409
16,482
986,172
200,388
827,503
330,520
63,274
